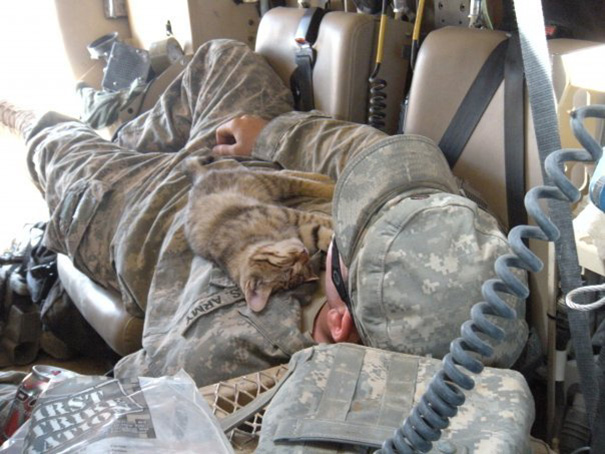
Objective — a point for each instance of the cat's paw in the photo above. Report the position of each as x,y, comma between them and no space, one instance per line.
316,236
324,238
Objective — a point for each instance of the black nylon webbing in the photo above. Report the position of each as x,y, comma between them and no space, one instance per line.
514,137
504,62
473,105
301,83
598,434
301,80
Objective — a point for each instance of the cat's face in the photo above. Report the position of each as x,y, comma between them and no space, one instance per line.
272,267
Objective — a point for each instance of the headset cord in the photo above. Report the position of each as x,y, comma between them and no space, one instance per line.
377,102
439,403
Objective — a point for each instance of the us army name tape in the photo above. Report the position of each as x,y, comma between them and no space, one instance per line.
211,303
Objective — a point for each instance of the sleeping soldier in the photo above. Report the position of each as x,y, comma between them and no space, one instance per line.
412,252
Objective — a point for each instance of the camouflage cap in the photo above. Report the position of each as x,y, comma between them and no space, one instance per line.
417,251
404,163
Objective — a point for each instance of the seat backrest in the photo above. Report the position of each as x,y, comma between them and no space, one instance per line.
345,47
448,62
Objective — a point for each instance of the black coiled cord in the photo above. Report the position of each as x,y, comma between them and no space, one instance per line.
444,395
377,102
378,96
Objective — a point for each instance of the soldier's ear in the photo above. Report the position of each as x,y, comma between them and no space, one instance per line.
340,323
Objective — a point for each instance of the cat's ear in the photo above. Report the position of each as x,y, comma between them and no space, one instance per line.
194,168
256,295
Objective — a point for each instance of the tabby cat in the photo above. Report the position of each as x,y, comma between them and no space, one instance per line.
234,219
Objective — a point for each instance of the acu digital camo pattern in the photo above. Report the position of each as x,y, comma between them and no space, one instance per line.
418,271
422,276
397,165
118,212
418,252
369,392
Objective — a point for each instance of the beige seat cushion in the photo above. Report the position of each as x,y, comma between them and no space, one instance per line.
102,308
345,58
447,65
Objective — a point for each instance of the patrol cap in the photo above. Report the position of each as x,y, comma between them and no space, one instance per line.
418,253
403,163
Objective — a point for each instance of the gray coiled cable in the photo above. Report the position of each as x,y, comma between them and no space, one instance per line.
444,394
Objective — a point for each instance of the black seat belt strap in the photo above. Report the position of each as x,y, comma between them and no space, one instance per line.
504,63
474,104
514,137
301,81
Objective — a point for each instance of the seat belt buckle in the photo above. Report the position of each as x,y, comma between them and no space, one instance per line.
308,27
305,55
306,35
301,80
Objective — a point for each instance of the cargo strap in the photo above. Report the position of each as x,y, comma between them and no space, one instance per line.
504,63
598,435
536,61
301,81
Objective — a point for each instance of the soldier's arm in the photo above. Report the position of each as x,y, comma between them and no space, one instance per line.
313,142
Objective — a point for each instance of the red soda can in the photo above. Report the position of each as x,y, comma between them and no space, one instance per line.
27,395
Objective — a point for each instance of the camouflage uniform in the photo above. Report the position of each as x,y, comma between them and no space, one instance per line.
117,211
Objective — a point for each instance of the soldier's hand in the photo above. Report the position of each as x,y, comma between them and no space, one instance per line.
237,137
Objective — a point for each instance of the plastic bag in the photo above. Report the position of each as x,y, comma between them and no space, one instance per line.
90,415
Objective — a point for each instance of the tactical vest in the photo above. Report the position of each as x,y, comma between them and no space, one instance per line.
349,399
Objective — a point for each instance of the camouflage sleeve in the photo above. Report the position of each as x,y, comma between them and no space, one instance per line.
224,79
313,142
34,138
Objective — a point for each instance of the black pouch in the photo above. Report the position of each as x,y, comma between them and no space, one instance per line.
41,266
26,275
